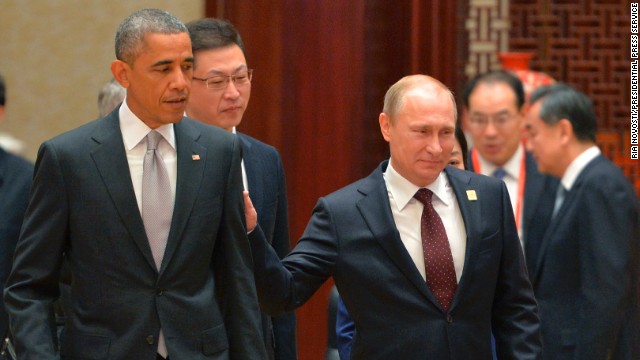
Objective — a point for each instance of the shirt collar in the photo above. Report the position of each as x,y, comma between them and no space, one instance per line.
511,167
403,190
134,130
577,165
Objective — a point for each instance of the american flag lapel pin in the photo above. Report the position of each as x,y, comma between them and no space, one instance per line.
195,157
471,195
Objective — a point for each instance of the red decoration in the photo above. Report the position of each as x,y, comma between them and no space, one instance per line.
518,63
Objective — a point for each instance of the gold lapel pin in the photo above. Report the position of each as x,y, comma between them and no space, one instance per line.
471,195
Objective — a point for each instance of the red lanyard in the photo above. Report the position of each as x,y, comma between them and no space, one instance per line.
521,180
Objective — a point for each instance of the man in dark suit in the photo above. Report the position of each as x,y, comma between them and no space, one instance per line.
494,105
219,96
179,288
344,328
15,183
586,275
421,281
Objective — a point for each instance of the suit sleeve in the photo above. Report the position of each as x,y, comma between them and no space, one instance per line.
286,285
284,326
234,272
15,197
608,255
515,321
33,283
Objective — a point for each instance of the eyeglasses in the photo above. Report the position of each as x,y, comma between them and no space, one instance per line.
220,82
500,121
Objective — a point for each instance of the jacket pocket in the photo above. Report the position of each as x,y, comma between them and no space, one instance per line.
85,346
214,340
568,337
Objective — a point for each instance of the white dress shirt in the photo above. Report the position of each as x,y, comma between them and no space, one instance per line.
245,182
134,133
407,214
513,168
577,165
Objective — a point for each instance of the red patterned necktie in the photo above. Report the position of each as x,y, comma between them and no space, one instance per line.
438,261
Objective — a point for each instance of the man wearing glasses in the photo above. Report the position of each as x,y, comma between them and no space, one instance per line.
220,93
494,104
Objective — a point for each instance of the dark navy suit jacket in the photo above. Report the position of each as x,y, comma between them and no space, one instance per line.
267,186
586,275
352,237
15,184
539,197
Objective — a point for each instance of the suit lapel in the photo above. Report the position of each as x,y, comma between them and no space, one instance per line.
111,160
533,187
251,165
460,182
190,173
569,199
376,211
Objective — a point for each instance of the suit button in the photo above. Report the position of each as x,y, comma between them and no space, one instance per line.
449,319
150,340
159,291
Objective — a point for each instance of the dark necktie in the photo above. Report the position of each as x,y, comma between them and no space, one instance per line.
560,194
438,261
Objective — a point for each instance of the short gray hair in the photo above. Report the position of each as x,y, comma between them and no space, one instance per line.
110,96
131,31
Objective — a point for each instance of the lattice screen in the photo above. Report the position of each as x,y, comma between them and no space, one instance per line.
584,43
488,33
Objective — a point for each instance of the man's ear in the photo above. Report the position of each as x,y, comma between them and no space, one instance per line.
565,129
385,126
120,71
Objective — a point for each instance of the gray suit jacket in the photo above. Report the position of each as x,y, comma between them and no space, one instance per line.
352,237
83,206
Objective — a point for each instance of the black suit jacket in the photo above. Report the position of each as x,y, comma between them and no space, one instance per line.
352,237
586,276
267,186
539,198
15,183
83,206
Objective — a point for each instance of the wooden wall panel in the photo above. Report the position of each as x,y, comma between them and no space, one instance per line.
307,101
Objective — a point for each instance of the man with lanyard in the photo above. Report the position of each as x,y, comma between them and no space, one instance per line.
494,105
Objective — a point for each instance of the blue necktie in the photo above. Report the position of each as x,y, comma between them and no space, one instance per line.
499,173
560,195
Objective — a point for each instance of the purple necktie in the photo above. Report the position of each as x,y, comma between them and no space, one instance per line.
157,204
157,207
438,261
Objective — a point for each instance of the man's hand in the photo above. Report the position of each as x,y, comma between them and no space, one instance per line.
250,213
